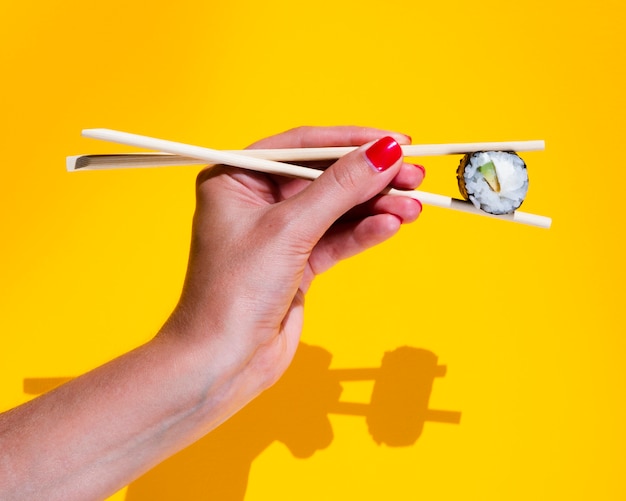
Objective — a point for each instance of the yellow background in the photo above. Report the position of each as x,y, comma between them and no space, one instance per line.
529,322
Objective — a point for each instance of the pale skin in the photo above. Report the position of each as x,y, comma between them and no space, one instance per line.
257,244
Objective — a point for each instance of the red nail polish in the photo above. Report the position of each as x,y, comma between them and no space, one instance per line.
383,153
421,167
420,204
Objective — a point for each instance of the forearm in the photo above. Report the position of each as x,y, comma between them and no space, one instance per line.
90,437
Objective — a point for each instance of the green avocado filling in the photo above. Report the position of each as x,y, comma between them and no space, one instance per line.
489,173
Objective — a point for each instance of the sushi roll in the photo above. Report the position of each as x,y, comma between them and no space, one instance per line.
494,181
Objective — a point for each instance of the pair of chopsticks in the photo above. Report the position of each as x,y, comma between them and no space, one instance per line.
171,153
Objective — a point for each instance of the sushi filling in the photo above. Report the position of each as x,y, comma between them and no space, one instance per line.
491,175
494,181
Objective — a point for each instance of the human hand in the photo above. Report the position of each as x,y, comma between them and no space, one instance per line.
259,240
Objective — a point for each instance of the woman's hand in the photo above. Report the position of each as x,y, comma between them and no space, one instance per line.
259,240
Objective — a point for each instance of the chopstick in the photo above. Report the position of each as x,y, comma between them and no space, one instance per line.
187,154
130,160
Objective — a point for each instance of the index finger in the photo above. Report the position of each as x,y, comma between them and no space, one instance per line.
319,137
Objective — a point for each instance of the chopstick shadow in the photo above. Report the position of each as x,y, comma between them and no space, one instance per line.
295,412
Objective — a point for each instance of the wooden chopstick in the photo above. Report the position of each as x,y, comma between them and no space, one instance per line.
130,160
257,160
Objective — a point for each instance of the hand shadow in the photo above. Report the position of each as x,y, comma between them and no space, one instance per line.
294,411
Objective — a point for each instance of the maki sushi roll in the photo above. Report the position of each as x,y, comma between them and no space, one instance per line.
494,181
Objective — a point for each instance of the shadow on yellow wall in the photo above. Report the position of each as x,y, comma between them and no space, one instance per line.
295,412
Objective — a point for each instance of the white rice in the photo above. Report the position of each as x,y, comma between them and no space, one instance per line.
512,176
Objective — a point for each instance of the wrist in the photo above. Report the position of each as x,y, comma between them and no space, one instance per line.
210,369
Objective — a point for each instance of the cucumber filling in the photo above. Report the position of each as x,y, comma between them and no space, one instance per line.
488,171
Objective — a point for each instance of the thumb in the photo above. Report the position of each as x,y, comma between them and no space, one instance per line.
352,180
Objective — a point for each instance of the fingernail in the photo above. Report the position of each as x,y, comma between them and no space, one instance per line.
383,153
420,204
421,167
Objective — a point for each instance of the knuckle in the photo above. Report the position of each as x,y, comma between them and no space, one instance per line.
348,177
301,134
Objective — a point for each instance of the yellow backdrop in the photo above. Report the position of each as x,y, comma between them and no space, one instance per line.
526,324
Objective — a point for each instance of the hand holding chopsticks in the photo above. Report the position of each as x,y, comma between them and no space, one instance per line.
173,153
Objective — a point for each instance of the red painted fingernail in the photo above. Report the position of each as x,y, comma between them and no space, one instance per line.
383,153
421,167
420,204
